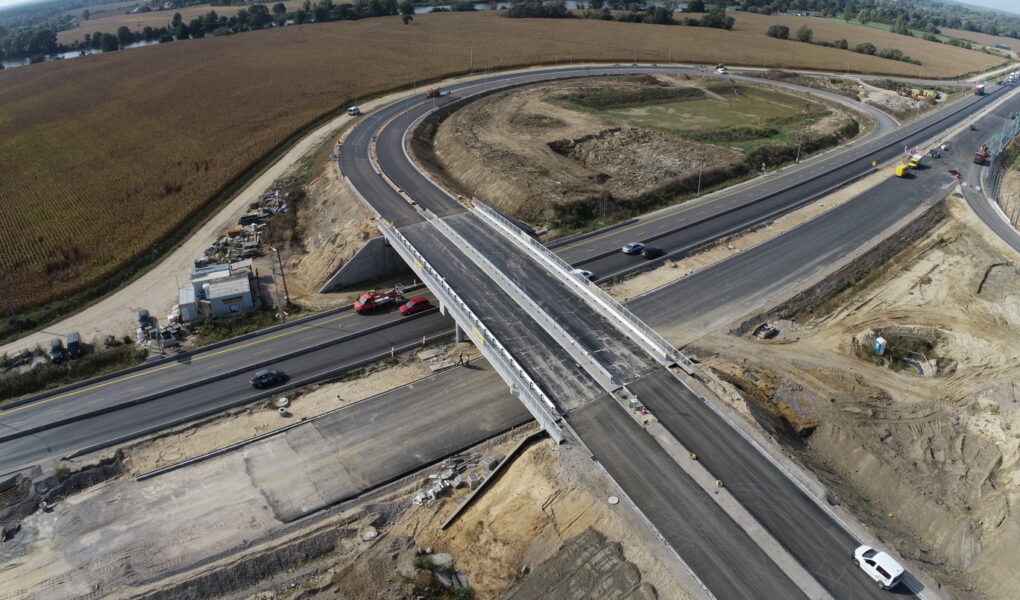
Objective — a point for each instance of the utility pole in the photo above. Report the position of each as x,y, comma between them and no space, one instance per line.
700,169
286,293
472,68
279,305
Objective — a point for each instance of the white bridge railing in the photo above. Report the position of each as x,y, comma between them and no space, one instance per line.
521,384
623,319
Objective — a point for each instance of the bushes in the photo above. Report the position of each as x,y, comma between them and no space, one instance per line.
893,53
538,10
13,385
780,32
865,48
841,44
804,34
602,97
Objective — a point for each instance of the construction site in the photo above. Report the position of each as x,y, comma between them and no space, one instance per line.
298,496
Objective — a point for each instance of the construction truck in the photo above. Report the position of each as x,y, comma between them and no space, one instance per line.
371,300
435,92
901,171
979,90
915,161
981,155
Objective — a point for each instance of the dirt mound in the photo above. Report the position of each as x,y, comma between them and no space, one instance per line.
332,225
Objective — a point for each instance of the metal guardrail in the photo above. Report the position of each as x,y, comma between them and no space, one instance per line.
521,384
648,338
595,368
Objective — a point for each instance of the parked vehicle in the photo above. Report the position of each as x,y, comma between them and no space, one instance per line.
901,171
879,566
415,305
651,252
73,345
354,111
267,377
766,331
582,274
372,300
915,161
56,352
633,248
144,319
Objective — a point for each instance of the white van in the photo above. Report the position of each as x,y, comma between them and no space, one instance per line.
354,111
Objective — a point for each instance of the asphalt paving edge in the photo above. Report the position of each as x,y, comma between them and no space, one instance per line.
163,360
691,249
252,398
19,433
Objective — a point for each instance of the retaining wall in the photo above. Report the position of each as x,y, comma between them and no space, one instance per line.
375,260
880,252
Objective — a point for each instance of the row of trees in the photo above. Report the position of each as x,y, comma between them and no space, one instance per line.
637,12
37,44
806,35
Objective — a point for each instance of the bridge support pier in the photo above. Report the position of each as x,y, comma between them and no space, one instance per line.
458,333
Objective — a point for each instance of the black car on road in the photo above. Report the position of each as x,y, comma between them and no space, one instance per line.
267,377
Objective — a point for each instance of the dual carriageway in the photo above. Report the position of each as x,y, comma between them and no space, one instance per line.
705,537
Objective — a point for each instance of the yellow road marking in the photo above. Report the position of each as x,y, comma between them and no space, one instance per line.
170,366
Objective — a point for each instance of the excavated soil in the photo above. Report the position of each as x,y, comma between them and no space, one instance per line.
931,463
332,225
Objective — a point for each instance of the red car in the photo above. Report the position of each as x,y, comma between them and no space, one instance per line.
414,306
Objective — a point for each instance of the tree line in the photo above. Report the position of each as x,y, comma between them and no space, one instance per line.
36,44
636,12
806,35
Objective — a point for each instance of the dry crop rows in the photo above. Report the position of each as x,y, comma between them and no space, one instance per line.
103,156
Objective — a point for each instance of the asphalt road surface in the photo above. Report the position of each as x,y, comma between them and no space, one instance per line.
219,389
803,528
719,552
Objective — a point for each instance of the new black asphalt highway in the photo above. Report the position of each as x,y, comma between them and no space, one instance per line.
27,434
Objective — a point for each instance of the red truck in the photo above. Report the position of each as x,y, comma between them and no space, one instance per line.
981,155
372,300
979,90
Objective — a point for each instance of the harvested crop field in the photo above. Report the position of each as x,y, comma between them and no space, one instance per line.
938,60
103,156
116,16
981,38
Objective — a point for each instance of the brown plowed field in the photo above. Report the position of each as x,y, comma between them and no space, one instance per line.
103,156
